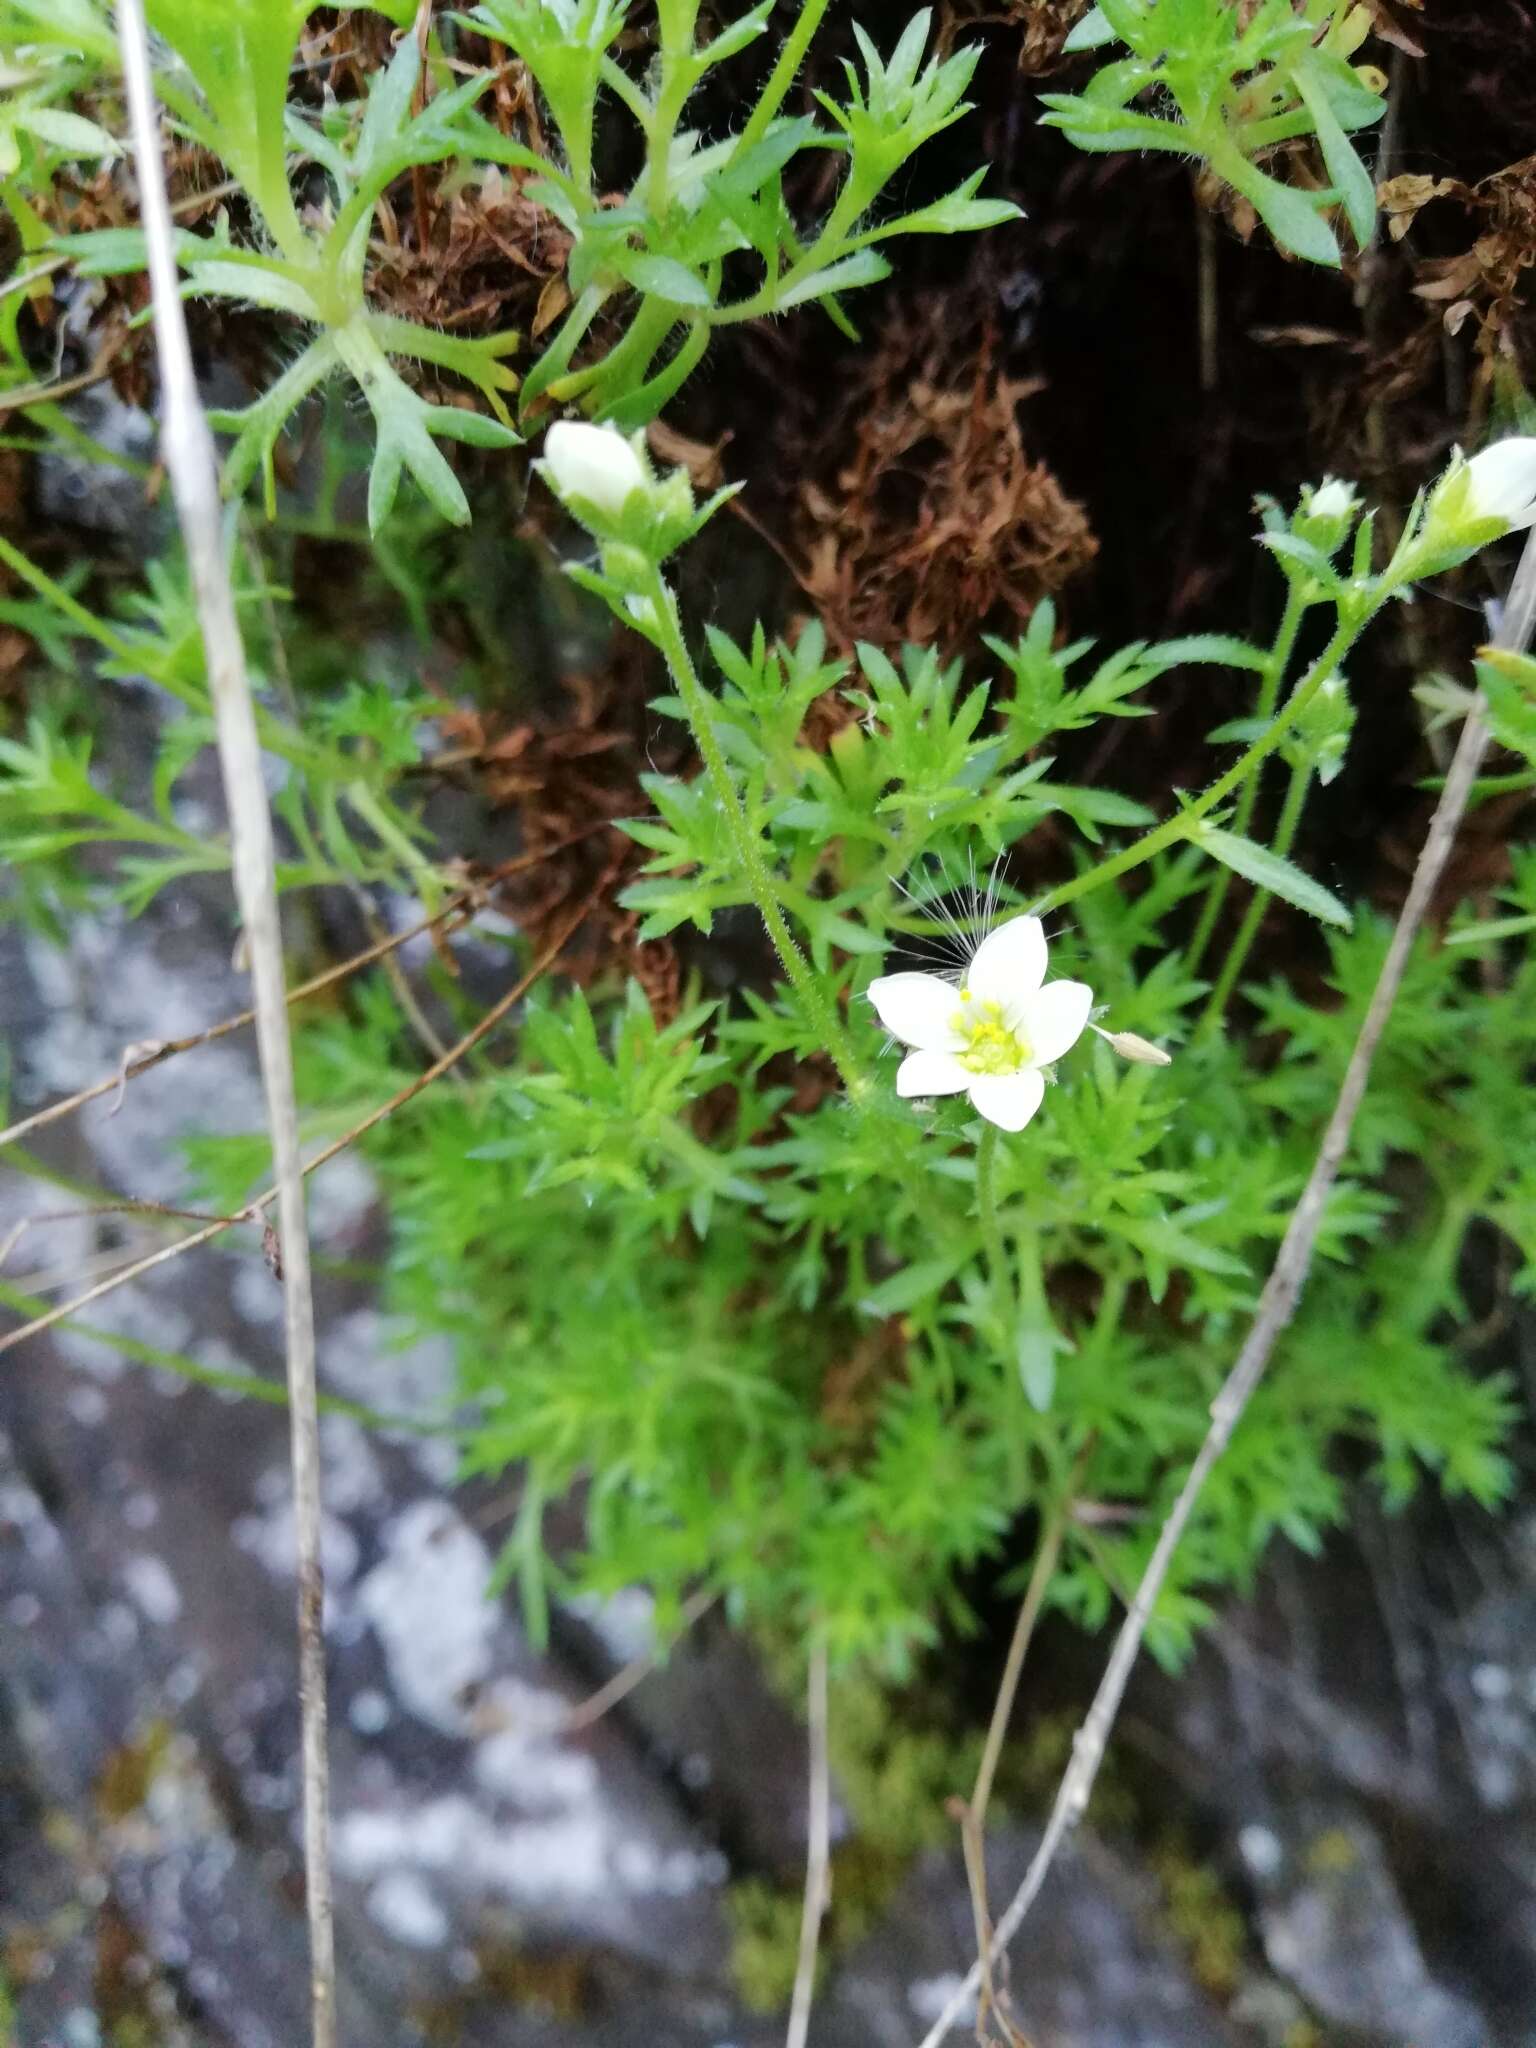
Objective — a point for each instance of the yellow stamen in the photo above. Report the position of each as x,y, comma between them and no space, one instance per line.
991,1046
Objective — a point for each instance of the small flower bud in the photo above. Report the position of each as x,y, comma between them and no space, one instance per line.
1132,1047
1326,513
595,464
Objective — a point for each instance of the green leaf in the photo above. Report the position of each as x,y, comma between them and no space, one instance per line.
865,266
1092,32
1344,166
907,1288
663,277
70,133
1290,216
1271,871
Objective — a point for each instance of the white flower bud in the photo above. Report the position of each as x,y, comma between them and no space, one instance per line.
1132,1047
595,464
1502,482
1333,499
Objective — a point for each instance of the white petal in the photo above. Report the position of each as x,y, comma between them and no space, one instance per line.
1055,1019
1503,481
919,1009
1009,964
932,1073
1008,1100
595,463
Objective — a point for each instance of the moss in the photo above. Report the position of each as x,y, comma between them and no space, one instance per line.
894,1779
1198,1912
554,1983
130,1770
765,1932
1333,1853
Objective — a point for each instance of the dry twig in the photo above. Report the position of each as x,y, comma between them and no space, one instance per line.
818,1854
255,1211
188,452
138,1059
1277,1305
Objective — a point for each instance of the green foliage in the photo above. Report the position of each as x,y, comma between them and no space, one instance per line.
338,801
794,1370
695,208
1241,82
661,254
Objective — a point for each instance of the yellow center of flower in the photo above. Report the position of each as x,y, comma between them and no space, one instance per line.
990,1046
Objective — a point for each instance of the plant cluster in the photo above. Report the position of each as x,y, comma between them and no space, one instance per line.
667,256
844,1322
1231,84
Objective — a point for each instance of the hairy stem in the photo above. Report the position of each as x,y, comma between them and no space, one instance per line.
782,77
818,1855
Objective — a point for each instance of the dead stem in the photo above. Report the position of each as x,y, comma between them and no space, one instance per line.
1277,1304
624,1681
138,1060
973,1812
255,1210
187,450
818,1854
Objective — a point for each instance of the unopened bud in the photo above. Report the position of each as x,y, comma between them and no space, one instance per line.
595,464
1142,1050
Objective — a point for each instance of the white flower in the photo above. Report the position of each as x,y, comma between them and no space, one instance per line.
595,464
1502,482
991,1036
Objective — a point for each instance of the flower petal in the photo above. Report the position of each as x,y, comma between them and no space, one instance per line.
932,1073
919,1009
1008,1100
1009,964
1055,1019
1503,481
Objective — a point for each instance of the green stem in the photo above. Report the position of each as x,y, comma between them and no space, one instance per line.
986,1205
1253,916
1182,824
782,77
819,1011
1264,709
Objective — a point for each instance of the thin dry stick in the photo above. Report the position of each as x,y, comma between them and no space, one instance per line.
624,1681
188,453
138,1060
818,1854
255,1209
973,1812
1277,1304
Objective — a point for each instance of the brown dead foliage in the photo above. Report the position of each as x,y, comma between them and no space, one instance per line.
1487,283
490,258
927,520
570,774
1044,26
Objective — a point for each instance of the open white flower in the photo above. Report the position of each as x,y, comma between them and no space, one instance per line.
991,1036
596,464
1502,481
